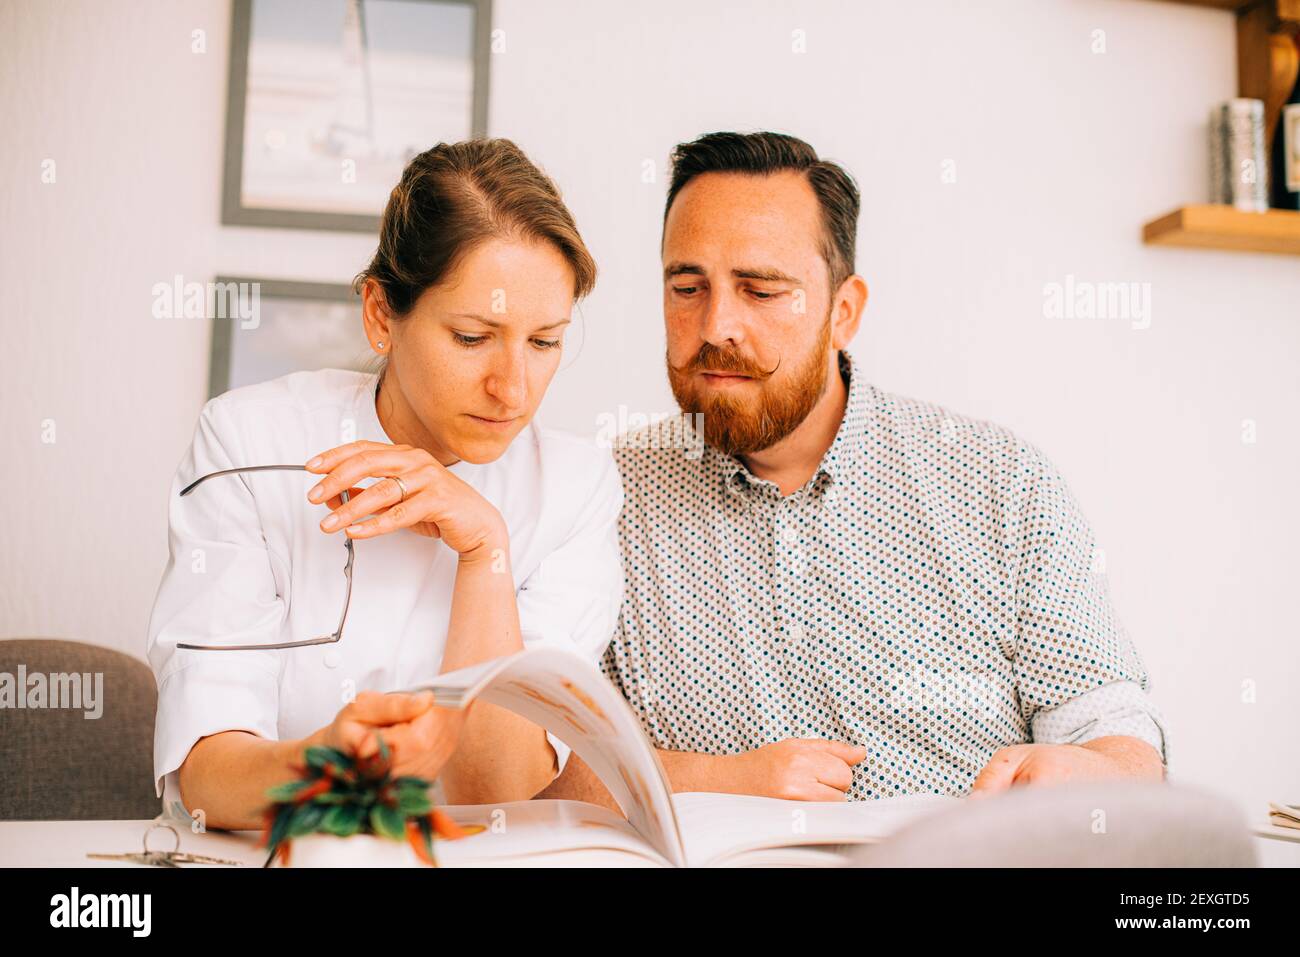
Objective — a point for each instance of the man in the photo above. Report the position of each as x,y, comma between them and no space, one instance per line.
844,592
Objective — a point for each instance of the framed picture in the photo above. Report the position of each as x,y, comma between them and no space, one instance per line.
270,328
329,100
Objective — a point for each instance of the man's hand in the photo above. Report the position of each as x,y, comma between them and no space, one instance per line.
1109,758
797,769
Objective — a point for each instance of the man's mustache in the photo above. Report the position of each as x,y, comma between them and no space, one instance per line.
713,359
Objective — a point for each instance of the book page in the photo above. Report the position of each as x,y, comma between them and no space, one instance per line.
571,699
532,832
720,828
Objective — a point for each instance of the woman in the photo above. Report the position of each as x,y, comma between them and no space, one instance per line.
485,533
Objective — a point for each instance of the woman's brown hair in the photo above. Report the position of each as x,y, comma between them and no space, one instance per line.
456,196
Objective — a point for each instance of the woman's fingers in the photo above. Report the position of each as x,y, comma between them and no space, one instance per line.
352,738
326,461
357,727
363,502
376,461
337,500
411,511
369,744
422,746
374,708
371,463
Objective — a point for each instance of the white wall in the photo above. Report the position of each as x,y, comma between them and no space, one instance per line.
1061,154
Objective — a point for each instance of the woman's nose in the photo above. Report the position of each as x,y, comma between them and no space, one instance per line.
508,380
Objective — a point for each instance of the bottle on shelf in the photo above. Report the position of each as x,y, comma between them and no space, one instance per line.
1284,178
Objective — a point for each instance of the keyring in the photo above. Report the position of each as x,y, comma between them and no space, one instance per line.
155,827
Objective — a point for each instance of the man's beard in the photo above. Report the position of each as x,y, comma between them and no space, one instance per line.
739,426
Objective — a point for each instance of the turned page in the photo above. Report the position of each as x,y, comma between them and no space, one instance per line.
571,699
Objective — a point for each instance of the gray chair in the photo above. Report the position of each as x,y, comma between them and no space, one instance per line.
1114,824
56,763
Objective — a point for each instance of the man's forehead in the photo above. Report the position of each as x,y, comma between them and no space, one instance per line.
745,217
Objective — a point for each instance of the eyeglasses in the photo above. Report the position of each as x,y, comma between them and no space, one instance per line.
347,571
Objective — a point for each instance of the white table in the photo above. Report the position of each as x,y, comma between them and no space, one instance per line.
66,843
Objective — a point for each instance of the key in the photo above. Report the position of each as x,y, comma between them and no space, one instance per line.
173,858
184,857
152,858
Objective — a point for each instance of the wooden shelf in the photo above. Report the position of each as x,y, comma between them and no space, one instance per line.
1222,227
1236,6
1266,70
1284,9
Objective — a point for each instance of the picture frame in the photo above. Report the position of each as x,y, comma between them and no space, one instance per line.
310,106
298,326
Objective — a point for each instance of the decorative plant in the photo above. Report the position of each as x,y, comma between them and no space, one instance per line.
345,795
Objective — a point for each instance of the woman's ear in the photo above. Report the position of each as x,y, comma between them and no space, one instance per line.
375,316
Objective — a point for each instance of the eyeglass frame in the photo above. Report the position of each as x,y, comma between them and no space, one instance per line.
330,639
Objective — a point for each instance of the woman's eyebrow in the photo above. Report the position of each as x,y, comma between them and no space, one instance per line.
496,323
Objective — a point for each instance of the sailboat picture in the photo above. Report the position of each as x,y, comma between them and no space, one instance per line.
331,98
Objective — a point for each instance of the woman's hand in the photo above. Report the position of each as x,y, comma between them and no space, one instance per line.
420,736
437,503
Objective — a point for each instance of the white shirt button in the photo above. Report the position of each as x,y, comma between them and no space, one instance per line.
333,659
790,536
796,632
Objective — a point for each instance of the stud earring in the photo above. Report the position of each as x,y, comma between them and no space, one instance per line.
379,344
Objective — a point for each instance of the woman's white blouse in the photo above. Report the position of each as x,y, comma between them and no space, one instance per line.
249,564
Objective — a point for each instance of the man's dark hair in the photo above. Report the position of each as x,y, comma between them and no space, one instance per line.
761,154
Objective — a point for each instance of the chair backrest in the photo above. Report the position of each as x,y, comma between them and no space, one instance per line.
1114,824
58,760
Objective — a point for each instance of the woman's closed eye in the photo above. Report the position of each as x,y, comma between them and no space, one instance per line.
471,341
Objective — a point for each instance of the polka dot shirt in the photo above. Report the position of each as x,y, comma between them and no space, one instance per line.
933,593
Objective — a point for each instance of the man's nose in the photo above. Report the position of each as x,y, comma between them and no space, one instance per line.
722,320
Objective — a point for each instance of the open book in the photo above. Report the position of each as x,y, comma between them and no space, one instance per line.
1284,815
572,700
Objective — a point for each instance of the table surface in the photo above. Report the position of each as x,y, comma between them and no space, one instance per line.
66,843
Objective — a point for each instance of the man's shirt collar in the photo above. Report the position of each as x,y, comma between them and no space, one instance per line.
843,454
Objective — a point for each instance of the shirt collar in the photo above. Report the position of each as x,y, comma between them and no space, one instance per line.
838,460
851,437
